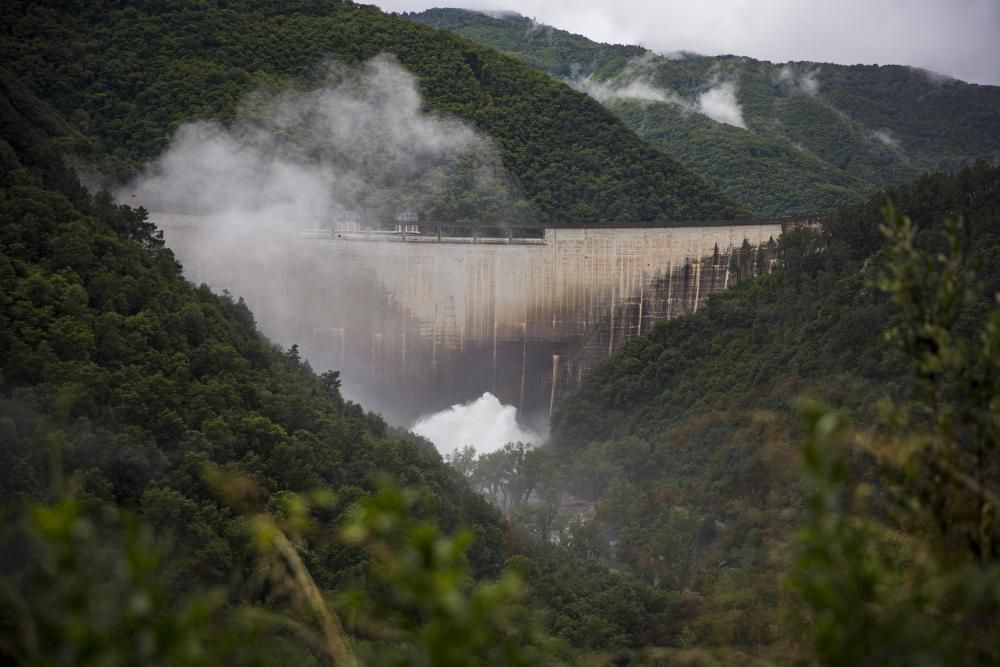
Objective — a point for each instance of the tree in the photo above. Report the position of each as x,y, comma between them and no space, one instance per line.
293,357
907,573
428,598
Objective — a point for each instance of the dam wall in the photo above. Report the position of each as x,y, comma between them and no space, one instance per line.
415,324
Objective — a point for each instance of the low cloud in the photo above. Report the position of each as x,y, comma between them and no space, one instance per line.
500,14
683,54
636,82
637,89
805,82
934,78
885,138
357,145
720,104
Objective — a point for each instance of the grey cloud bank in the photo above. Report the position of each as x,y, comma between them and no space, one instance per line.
957,38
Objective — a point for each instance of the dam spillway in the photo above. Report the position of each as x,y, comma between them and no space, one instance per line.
415,323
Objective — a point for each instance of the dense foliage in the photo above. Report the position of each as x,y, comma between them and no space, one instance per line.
816,135
685,445
124,76
176,489
160,438
909,573
133,390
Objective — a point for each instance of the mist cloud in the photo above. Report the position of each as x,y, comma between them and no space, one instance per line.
885,138
358,144
640,90
636,82
241,203
805,82
720,104
934,78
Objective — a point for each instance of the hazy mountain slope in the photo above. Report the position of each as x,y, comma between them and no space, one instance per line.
146,377
813,135
817,319
688,438
127,76
127,388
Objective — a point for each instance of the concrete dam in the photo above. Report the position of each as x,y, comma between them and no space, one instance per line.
416,322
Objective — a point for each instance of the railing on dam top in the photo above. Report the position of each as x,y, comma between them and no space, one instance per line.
529,232
466,232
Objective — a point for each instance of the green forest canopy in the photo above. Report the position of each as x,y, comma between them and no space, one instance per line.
817,135
141,393
138,394
125,76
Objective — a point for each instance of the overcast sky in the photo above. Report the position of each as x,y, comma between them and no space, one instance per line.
960,38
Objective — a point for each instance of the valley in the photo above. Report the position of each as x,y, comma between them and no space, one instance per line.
335,336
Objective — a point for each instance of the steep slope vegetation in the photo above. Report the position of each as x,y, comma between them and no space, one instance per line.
145,378
778,138
687,437
127,389
679,460
125,76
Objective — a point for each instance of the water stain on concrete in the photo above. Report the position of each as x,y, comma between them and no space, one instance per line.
417,324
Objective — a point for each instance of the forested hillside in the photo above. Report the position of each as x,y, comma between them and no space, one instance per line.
124,385
693,428
176,489
778,138
688,441
124,77
168,473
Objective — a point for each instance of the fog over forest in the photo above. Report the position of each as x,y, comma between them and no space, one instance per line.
331,335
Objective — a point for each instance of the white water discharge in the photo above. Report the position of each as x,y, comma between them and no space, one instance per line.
485,423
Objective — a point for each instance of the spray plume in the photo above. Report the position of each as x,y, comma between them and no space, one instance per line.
485,424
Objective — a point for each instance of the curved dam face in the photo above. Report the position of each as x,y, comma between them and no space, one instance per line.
417,323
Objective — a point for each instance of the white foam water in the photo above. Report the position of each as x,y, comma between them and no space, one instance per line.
485,423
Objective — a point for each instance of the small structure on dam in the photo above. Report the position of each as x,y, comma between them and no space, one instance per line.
421,318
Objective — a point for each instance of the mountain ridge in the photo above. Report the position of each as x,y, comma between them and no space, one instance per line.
125,78
814,136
